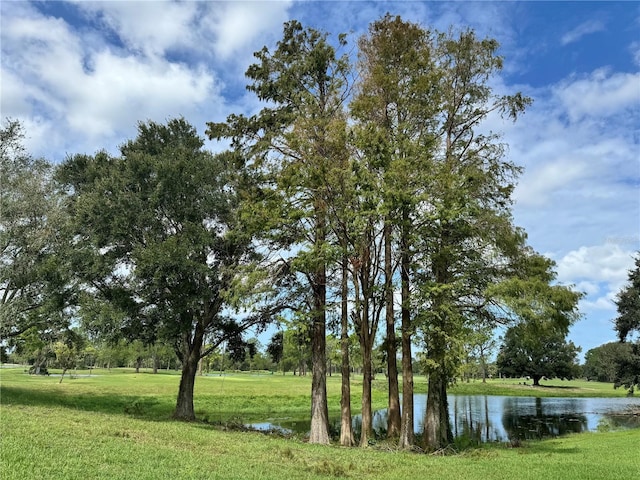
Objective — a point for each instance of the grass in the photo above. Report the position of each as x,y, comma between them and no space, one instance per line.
117,426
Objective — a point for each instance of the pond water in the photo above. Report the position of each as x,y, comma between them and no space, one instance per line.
483,418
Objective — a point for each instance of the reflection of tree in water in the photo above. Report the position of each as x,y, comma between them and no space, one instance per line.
479,419
619,420
540,424
470,422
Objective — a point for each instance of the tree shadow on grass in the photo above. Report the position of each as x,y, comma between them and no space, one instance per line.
552,448
142,407
559,387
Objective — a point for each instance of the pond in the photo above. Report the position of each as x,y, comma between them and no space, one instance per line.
482,418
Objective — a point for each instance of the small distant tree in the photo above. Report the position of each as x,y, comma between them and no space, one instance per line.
334,355
526,352
296,350
137,353
628,322
275,348
69,351
253,349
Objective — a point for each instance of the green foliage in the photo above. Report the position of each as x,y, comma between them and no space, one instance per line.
35,287
530,295
541,314
275,347
33,347
161,240
537,354
160,233
628,368
627,323
600,363
628,303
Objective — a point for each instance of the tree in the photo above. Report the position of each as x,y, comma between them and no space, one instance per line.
293,143
68,350
600,363
34,284
528,352
626,323
540,313
159,240
463,224
628,304
33,346
296,351
481,344
395,107
275,348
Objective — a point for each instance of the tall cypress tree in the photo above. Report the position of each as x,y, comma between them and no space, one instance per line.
293,143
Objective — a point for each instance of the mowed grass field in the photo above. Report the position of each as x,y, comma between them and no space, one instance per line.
117,425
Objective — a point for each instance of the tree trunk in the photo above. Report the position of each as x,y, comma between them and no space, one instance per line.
138,364
361,311
64,370
346,430
536,380
190,356
393,409
156,363
367,417
437,429
184,406
319,409
483,366
406,426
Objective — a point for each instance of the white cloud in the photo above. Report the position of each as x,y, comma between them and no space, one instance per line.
580,184
96,94
148,27
634,49
588,287
599,94
121,91
237,25
586,28
547,179
607,263
600,272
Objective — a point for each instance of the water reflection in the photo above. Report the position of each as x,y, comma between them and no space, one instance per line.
480,418
526,422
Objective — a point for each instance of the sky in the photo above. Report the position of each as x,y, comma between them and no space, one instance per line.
81,75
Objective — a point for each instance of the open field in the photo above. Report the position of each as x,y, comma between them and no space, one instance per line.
117,425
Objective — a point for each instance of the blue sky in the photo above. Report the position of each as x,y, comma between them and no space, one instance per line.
80,75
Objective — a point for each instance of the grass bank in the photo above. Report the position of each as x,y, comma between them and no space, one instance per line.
116,426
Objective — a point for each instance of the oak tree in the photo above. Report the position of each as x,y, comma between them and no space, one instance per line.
158,238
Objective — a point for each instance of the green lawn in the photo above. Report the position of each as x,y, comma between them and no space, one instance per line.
117,425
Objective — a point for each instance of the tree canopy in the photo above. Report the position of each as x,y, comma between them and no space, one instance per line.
601,363
35,283
627,323
159,239
527,352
